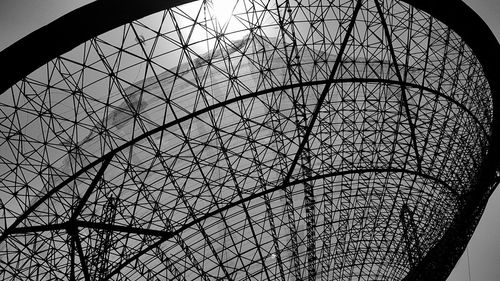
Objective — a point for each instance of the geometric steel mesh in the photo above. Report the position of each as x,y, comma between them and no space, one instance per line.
275,140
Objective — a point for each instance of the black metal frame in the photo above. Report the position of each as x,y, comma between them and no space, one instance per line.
436,264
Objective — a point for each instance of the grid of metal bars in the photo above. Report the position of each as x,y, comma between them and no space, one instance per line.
291,140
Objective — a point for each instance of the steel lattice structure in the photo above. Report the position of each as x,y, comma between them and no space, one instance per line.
253,140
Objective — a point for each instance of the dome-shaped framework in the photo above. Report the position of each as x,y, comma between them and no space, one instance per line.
247,140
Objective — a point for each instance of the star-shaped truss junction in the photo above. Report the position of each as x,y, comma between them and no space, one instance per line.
290,140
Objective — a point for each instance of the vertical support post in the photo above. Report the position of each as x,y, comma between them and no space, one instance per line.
100,260
410,236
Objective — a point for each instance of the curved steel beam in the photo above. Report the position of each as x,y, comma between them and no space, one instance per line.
71,226
21,58
261,194
73,223
205,110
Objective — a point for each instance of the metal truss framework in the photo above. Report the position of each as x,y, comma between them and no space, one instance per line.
254,140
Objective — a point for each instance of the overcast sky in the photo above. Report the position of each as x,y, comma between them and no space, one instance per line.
20,17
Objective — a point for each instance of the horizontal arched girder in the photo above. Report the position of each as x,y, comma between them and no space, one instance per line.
164,236
169,234
210,108
258,195
27,54
22,58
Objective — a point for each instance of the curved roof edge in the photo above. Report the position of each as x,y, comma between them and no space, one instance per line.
67,32
46,43
478,36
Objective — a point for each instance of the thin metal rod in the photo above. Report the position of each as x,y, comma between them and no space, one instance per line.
402,83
